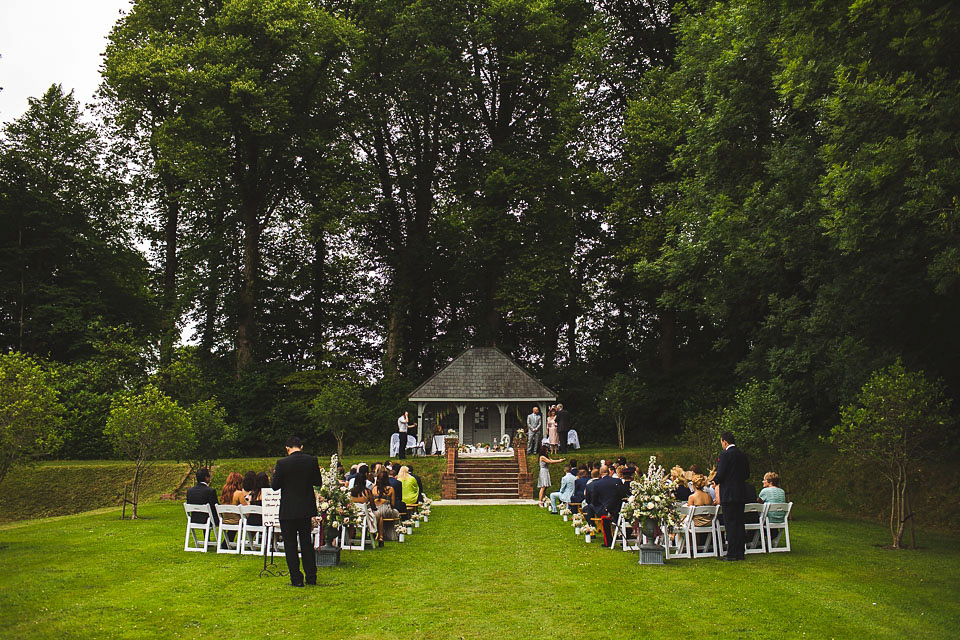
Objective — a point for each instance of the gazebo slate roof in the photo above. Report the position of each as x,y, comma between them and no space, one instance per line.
482,374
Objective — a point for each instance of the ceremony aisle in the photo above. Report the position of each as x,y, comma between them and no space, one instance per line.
472,571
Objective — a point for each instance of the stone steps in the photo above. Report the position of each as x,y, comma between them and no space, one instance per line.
479,479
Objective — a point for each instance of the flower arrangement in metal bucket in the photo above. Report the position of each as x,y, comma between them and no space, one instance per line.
333,501
652,497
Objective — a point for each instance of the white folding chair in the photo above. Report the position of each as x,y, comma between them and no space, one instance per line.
709,546
778,511
678,546
621,531
207,527
363,530
252,540
223,541
754,530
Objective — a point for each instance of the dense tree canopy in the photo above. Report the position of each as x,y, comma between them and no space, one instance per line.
733,202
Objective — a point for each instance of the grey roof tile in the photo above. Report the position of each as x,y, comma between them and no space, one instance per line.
482,373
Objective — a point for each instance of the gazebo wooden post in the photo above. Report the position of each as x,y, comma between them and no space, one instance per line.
461,409
421,406
503,406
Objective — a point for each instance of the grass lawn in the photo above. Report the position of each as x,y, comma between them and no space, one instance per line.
474,572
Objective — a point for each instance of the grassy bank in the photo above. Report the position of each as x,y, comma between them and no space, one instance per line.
471,572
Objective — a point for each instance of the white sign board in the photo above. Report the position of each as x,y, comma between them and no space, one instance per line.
271,507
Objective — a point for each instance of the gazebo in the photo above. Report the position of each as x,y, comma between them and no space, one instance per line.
475,383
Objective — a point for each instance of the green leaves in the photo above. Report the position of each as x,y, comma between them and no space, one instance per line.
31,416
148,425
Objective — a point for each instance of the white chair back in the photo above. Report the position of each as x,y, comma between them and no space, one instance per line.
755,540
224,544
251,540
708,546
207,528
677,544
776,524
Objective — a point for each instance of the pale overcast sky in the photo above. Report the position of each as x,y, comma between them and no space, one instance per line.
48,41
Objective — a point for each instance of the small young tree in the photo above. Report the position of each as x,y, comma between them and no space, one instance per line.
621,400
212,436
767,428
701,432
336,407
898,418
145,427
30,412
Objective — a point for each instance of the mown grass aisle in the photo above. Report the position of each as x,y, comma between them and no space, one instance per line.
474,572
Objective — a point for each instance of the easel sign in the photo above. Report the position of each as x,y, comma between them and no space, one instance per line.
271,507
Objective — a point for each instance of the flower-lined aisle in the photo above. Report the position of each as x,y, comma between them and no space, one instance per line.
650,508
338,512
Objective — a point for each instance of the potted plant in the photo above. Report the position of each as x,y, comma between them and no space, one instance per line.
651,503
336,511
588,530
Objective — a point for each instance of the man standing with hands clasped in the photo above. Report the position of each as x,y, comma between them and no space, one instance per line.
534,422
733,468
296,476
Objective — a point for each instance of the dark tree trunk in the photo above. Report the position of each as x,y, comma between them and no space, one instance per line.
247,316
169,312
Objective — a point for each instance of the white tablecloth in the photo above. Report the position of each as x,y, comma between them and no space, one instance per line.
438,445
573,439
395,443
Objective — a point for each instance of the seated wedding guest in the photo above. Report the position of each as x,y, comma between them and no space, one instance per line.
681,492
420,492
771,492
363,474
594,476
566,489
203,493
579,488
351,475
700,498
397,486
361,494
599,493
383,498
249,484
411,488
232,493
261,482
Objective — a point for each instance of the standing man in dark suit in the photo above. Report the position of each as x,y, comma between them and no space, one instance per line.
563,426
733,469
296,476
203,493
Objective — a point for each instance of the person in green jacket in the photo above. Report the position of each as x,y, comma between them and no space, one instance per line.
411,488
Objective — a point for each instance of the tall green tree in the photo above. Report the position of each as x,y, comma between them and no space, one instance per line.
67,259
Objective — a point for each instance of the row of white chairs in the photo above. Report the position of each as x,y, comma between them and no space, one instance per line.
689,540
248,539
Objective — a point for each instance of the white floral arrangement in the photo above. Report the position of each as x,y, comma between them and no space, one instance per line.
333,502
579,519
452,433
652,497
427,502
416,516
565,511
588,530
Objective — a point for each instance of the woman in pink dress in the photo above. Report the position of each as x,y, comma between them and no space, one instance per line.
552,435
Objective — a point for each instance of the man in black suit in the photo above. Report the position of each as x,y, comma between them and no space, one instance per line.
203,493
603,497
296,476
733,469
563,427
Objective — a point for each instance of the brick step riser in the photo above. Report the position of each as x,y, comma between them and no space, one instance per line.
484,476
483,467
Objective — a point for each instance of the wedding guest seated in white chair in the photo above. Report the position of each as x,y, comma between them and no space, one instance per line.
566,489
